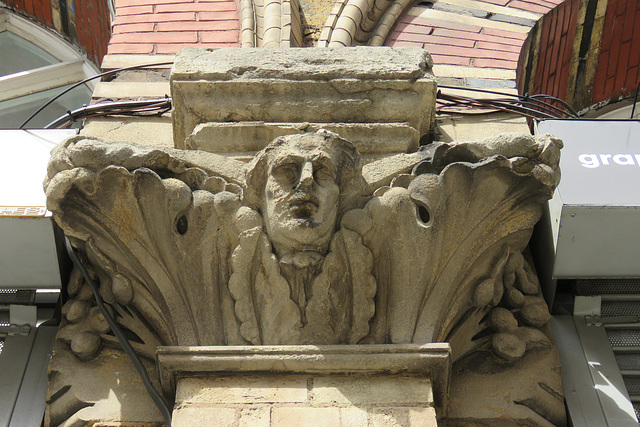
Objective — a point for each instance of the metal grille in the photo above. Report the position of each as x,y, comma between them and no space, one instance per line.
628,361
607,286
620,308
633,385
624,337
5,319
17,296
636,406
1,344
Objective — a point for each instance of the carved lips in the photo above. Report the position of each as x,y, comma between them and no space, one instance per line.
304,205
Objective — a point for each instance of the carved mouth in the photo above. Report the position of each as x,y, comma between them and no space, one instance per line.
304,206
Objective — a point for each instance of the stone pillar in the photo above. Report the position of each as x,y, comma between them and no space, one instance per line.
386,385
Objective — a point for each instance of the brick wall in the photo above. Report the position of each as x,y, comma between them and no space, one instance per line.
584,52
85,23
166,26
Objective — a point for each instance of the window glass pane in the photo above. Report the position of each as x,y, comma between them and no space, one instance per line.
15,111
24,55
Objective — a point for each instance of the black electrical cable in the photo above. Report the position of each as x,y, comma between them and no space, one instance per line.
126,346
105,108
520,97
559,101
75,85
499,104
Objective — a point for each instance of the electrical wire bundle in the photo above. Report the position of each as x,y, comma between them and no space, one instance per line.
128,108
536,107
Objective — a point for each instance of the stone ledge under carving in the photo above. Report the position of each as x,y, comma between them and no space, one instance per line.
430,360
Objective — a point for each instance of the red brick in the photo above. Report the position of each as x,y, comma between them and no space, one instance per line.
614,51
46,5
155,17
197,7
219,37
632,78
217,16
404,27
623,64
447,41
166,37
37,10
167,49
494,63
401,44
609,87
146,27
133,10
198,26
529,7
499,47
498,2
28,6
125,3
503,33
451,60
478,37
628,26
443,24
634,56
598,88
139,49
471,53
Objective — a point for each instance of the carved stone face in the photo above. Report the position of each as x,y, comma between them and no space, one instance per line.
301,194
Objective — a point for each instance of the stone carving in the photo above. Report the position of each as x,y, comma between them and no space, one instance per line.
297,247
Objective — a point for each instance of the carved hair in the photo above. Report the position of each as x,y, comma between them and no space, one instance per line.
353,187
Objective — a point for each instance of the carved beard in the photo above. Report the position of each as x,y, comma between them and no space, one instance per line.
339,293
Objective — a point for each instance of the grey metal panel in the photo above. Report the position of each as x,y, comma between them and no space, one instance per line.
28,256
30,404
581,396
591,172
597,242
13,362
605,375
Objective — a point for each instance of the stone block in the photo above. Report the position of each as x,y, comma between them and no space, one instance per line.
318,417
242,389
403,417
346,85
372,390
198,416
369,138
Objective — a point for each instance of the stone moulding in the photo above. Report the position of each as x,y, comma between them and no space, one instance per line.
348,87
431,360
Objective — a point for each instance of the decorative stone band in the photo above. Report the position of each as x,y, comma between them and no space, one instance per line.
361,22
270,23
429,360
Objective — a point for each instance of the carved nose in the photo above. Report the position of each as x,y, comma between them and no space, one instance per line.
306,175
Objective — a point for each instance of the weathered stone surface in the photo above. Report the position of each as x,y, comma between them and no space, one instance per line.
376,391
302,246
250,137
354,85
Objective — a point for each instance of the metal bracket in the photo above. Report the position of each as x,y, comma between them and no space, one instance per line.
14,330
610,320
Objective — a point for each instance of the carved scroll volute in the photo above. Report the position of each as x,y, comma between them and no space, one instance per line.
154,242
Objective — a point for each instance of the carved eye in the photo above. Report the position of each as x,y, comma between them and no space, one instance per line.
287,172
324,176
182,225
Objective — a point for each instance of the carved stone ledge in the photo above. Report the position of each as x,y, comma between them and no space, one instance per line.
275,384
358,85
